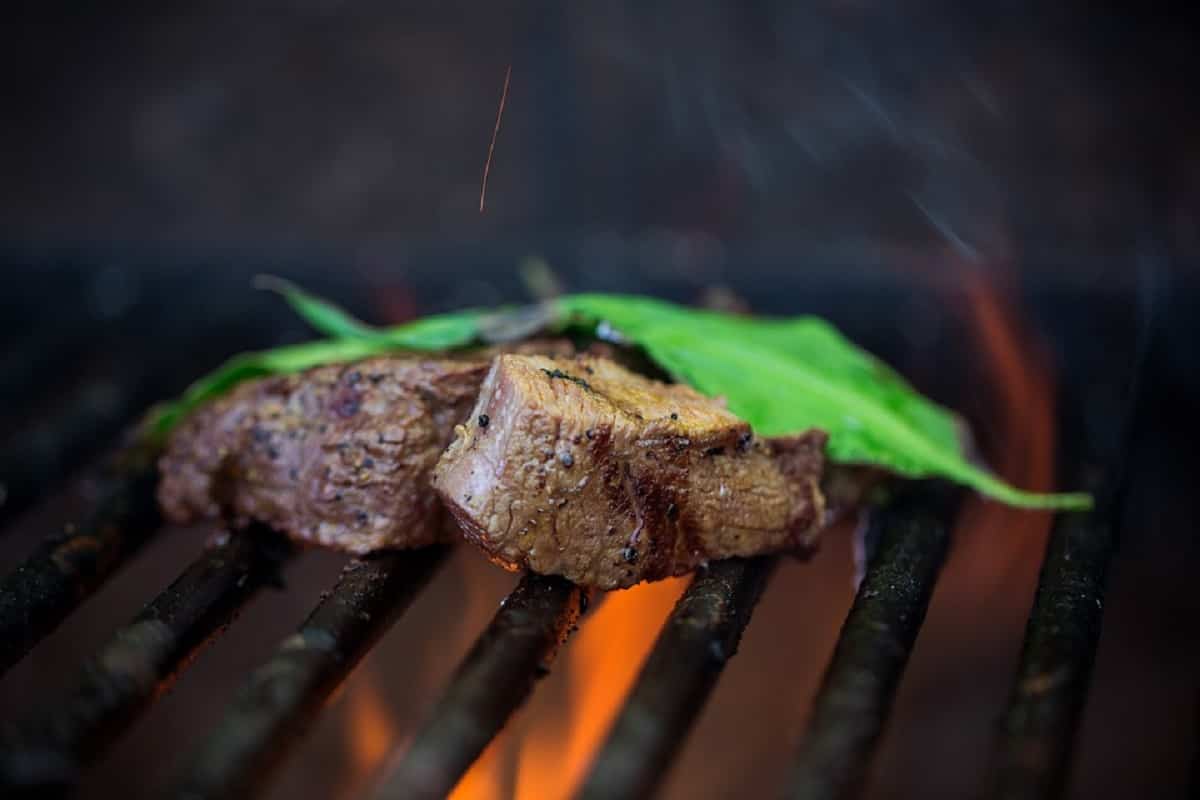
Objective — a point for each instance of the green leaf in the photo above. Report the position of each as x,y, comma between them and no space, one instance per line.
438,332
781,375
786,375
350,340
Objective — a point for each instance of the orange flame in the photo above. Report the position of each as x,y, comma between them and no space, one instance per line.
489,777
485,779
602,664
371,733
1024,439
598,669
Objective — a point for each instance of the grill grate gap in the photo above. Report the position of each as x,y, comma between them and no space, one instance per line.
283,697
700,636
495,678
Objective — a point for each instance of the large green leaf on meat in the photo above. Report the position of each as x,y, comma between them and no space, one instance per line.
785,375
781,375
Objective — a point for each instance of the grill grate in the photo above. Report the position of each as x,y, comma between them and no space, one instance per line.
1038,729
142,659
495,678
852,705
45,753
285,694
701,635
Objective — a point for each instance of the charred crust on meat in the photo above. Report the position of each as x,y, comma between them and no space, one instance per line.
714,451
558,373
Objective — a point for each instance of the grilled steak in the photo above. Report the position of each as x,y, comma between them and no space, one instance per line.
578,467
338,455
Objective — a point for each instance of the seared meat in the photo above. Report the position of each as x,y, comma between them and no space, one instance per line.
578,467
338,455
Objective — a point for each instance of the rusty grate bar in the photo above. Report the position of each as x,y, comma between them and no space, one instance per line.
141,660
282,698
66,568
496,677
1038,730
700,636
855,698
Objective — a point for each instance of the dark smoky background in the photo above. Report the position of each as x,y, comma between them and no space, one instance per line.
861,160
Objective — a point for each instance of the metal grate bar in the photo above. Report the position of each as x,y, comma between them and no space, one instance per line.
1038,729
66,568
140,661
1036,742
514,651
701,634
283,697
855,698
